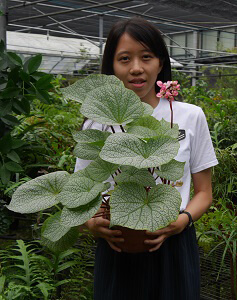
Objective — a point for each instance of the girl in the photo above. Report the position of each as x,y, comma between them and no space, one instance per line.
136,53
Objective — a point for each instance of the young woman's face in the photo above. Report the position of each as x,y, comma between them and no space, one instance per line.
137,67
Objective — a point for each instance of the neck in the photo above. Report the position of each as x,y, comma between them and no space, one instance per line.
152,101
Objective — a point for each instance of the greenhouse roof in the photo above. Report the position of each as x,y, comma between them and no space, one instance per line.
91,20
82,18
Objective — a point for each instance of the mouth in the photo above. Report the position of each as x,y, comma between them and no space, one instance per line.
137,82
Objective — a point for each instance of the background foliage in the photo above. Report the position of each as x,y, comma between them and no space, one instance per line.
41,126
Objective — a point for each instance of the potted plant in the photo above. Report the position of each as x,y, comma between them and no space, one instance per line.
135,158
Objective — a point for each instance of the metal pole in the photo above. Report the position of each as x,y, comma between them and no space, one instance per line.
26,4
70,11
101,32
195,46
3,21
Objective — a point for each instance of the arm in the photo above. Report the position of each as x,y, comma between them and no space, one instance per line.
197,207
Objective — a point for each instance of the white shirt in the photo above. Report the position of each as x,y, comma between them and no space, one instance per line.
196,148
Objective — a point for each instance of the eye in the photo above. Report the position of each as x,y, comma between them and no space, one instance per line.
147,56
124,58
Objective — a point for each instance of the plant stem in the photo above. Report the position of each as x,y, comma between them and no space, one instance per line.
112,128
121,127
113,179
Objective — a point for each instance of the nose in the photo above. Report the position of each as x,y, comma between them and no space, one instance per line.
136,67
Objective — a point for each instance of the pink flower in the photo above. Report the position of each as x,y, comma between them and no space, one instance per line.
175,93
159,83
168,90
159,95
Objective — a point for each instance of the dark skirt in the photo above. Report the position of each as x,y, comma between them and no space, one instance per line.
170,273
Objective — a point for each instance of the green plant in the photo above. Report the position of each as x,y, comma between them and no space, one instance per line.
20,83
29,272
21,277
5,219
149,146
219,226
224,179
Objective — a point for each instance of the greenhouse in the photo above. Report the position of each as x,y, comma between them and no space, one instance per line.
102,153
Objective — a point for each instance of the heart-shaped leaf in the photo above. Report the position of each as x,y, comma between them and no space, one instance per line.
112,105
148,126
86,151
80,191
79,90
55,230
133,207
39,193
142,132
139,176
127,149
146,121
173,170
147,109
90,136
99,170
90,143
78,216
64,243
167,130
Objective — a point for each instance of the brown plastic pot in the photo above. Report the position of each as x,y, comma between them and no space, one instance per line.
133,240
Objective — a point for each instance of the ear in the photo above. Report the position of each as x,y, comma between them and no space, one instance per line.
160,66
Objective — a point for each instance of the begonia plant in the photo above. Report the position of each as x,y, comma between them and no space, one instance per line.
132,167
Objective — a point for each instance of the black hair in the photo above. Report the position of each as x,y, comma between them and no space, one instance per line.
146,34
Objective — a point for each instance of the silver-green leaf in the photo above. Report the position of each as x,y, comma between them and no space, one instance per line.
148,122
133,207
90,136
55,229
64,243
167,130
86,151
78,216
90,143
79,90
112,105
99,170
39,193
80,191
131,174
127,149
173,170
142,132
147,109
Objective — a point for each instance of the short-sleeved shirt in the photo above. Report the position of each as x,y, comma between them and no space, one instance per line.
196,148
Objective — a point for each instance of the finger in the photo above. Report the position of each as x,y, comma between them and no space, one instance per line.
114,247
109,232
102,222
157,232
158,240
156,247
116,240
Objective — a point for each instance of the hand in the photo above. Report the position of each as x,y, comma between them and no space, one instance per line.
99,227
162,234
